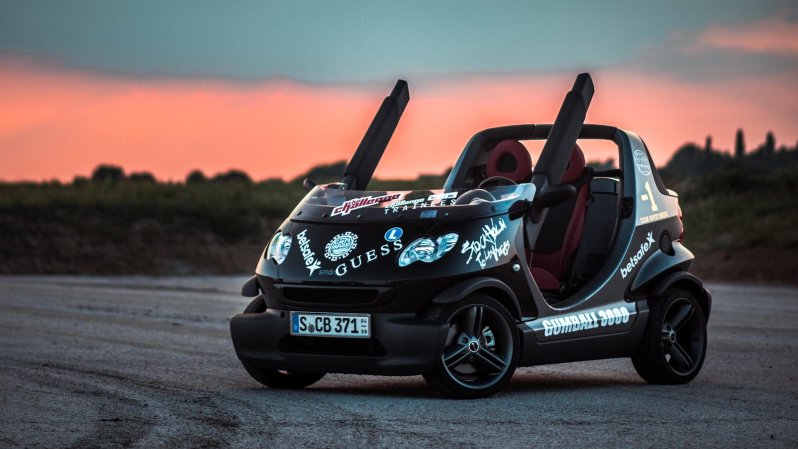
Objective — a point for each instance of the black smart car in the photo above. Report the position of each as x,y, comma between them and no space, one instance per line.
507,265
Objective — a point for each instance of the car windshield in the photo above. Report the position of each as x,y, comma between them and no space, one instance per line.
342,202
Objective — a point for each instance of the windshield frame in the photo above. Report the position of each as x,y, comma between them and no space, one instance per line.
334,203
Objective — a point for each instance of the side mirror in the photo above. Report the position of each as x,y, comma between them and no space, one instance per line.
308,184
551,196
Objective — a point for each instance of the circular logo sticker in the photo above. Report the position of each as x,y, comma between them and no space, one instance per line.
393,234
340,246
641,162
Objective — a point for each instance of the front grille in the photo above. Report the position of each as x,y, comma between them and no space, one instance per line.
331,346
332,296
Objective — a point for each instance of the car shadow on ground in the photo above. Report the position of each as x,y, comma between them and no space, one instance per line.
548,382
416,387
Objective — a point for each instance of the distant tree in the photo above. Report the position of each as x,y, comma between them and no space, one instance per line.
233,176
692,160
108,173
196,177
80,181
324,173
608,164
739,144
770,143
143,177
273,182
708,144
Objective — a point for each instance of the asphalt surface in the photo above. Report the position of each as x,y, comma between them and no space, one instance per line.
147,362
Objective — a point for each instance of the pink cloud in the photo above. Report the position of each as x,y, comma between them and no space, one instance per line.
775,35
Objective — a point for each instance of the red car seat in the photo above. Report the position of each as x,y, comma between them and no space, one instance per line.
510,158
559,237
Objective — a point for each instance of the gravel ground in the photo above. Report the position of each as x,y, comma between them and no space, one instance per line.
148,362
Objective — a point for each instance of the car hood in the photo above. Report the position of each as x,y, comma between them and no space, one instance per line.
367,253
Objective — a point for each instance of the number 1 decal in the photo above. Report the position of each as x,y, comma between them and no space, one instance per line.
649,196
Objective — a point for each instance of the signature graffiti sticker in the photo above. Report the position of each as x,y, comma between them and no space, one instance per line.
487,246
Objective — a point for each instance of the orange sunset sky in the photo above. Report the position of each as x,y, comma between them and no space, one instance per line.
70,103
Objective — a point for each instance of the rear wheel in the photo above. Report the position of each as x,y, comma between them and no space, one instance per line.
481,349
277,378
675,342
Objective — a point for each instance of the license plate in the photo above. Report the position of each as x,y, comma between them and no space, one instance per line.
320,324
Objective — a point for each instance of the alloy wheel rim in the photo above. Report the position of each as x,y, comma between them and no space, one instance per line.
682,337
479,347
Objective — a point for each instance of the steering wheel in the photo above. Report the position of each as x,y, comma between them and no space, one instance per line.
474,196
496,181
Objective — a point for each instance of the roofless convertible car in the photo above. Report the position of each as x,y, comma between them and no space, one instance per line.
507,265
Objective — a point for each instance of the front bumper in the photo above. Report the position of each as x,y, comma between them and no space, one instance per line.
401,344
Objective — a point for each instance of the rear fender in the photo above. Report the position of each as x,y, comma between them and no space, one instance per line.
661,262
685,281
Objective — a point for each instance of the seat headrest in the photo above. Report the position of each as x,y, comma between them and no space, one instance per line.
576,166
510,158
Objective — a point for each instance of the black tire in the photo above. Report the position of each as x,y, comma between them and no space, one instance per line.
276,378
481,350
675,342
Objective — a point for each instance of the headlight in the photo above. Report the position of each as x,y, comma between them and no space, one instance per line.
279,247
427,250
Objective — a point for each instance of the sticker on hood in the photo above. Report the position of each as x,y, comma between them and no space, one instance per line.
312,263
487,246
340,246
359,203
393,234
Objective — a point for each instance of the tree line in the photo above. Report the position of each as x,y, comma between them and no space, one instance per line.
688,161
692,160
105,173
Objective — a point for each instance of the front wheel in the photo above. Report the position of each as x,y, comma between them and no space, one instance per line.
276,378
481,349
675,342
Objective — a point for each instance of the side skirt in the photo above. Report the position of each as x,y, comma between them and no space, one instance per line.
595,344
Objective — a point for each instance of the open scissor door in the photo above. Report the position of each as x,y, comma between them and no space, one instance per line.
361,167
566,128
